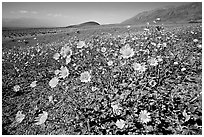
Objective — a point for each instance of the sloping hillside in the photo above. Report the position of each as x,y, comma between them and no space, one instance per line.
90,23
184,13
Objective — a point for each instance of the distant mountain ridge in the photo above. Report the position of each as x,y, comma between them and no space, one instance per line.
184,13
90,23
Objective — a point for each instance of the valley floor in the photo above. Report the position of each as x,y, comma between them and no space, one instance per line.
130,80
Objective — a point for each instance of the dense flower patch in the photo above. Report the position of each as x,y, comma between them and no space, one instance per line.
135,83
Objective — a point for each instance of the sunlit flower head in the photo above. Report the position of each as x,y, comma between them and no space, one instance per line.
152,83
41,118
53,82
195,40
164,44
199,46
158,19
116,108
154,44
139,67
66,51
159,58
103,49
183,69
68,60
146,29
128,26
144,116
19,117
16,88
81,44
64,72
127,51
110,63
120,123
153,62
33,84
57,72
56,56
176,63
85,77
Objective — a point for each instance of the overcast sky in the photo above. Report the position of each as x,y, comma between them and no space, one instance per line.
64,14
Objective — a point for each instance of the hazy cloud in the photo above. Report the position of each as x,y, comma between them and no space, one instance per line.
34,12
23,11
26,11
55,15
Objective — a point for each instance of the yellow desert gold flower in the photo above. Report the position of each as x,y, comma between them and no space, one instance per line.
103,49
153,62
120,123
66,51
33,84
85,77
110,63
64,72
41,118
127,51
56,56
139,67
81,44
53,82
16,88
19,117
144,116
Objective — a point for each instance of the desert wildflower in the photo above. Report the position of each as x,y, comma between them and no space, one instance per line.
57,72
116,108
41,118
158,19
152,83
176,63
56,56
103,49
85,77
153,62
16,88
199,46
64,72
143,68
159,58
139,67
110,63
144,116
33,84
68,60
19,117
146,29
164,44
50,98
183,69
94,88
195,40
127,51
120,123
154,44
53,82
81,44
66,51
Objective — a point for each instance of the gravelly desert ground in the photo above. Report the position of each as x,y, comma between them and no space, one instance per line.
129,80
